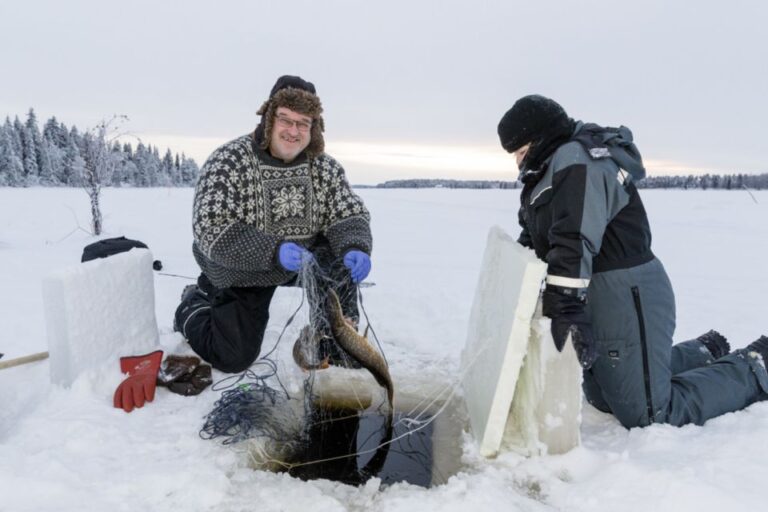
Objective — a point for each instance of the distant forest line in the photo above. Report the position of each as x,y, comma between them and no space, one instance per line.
60,156
703,182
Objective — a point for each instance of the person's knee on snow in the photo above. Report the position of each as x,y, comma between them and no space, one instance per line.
229,364
632,414
193,300
593,394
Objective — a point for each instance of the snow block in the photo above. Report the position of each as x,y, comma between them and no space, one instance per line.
98,311
501,332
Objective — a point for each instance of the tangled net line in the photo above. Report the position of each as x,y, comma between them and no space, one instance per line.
249,407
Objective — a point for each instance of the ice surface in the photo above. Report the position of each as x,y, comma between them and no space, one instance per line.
98,311
68,449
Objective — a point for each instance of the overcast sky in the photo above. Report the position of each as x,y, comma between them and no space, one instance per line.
410,89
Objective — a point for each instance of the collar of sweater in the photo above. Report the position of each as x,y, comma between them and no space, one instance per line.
265,156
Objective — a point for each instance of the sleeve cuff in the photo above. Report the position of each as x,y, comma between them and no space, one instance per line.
567,282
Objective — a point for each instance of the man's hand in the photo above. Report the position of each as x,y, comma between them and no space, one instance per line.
358,263
292,256
569,317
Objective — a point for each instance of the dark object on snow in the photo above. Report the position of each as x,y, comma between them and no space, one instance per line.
112,246
184,375
716,343
193,383
760,346
109,247
248,411
174,367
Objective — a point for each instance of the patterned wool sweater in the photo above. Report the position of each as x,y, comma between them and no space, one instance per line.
247,203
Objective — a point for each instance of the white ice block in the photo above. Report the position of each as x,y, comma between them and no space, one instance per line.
98,311
500,335
545,415
499,327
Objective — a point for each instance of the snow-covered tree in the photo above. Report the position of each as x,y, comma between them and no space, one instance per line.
188,170
57,157
44,171
99,164
29,158
74,165
18,130
11,168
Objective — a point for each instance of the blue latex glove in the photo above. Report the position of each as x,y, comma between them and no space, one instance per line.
292,255
358,263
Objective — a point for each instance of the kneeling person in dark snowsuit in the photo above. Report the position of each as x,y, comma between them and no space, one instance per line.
265,204
581,213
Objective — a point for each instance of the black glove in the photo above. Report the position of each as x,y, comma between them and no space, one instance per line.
566,308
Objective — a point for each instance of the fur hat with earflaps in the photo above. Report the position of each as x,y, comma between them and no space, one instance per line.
294,93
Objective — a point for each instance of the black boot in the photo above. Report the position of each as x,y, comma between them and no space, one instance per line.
760,345
716,343
192,300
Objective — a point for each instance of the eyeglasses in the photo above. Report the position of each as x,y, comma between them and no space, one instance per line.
287,122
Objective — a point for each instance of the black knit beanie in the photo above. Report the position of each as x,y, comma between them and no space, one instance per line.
531,119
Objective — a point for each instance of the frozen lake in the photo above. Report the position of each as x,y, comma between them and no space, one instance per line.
68,449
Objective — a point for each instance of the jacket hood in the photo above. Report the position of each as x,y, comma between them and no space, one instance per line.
614,143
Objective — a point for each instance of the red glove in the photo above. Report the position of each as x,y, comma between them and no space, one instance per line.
140,384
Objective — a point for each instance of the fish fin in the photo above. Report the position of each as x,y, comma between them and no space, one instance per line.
365,334
350,322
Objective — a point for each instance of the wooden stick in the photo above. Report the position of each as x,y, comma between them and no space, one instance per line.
23,360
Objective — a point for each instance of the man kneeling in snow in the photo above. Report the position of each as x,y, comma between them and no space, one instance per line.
265,204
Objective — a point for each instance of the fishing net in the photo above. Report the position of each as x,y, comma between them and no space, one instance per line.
255,404
281,431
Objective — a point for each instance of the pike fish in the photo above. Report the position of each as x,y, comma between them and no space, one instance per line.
358,347
305,351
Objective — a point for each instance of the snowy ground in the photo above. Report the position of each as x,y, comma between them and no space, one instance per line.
68,449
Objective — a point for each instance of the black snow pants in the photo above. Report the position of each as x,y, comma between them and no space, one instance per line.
227,328
640,376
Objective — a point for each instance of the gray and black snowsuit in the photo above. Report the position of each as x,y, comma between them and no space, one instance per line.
584,217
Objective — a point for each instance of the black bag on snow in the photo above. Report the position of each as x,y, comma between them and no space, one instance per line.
111,246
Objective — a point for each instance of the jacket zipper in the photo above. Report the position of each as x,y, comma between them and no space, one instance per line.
644,348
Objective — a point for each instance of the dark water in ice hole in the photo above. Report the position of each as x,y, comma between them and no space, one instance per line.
351,439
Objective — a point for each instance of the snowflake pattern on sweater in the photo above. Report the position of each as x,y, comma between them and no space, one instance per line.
288,202
247,204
